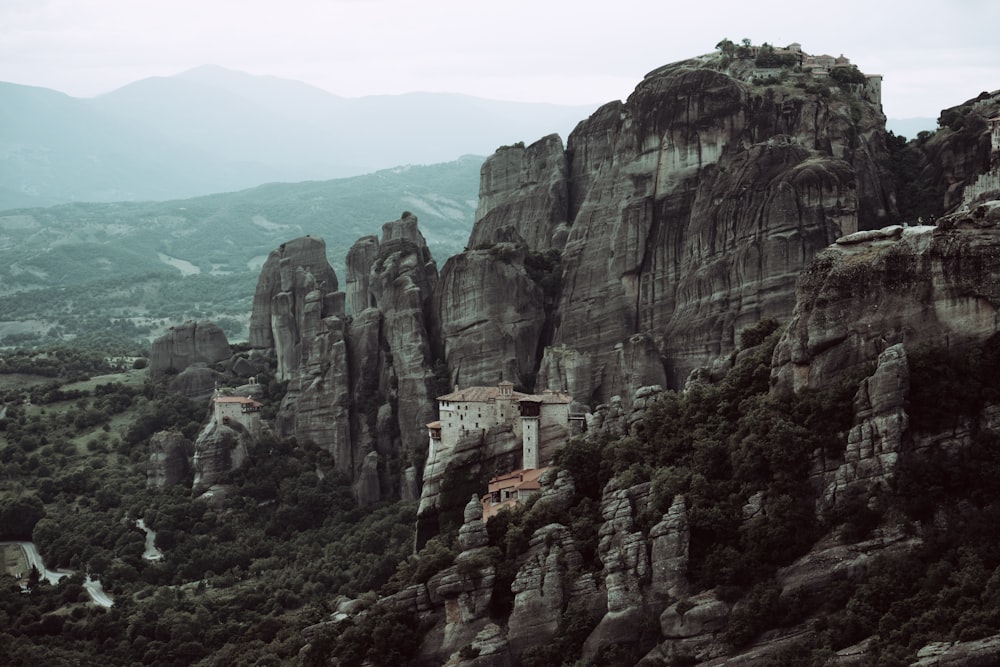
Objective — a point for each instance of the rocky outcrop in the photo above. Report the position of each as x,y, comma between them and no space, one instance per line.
615,420
693,628
360,259
492,317
524,197
360,387
678,218
168,459
475,453
876,440
270,326
298,321
196,382
185,345
624,551
670,541
393,341
936,285
549,576
959,152
495,300
218,450
458,599
976,653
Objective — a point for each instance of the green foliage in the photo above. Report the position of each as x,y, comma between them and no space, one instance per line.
718,445
236,586
59,362
435,556
951,383
849,75
18,516
383,637
916,198
768,58
545,269
954,118
758,333
97,288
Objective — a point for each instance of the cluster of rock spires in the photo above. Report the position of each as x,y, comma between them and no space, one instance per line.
630,258
643,573
614,268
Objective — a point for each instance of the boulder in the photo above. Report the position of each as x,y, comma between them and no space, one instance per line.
186,345
219,449
168,459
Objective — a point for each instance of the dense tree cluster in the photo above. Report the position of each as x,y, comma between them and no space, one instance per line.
237,587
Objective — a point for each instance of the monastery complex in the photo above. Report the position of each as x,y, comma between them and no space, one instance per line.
541,422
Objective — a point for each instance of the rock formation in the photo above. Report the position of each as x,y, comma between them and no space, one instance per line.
694,205
492,317
277,276
219,449
185,345
537,216
671,222
360,387
196,382
959,151
392,340
875,441
168,459
912,285
298,321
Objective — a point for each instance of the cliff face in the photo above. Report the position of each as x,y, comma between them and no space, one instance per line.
912,285
392,341
218,450
186,345
960,151
359,387
270,326
695,204
538,215
168,462
671,222
492,317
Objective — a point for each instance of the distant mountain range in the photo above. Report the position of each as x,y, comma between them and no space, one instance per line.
212,130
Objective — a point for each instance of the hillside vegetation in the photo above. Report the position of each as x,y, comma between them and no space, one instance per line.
130,269
241,586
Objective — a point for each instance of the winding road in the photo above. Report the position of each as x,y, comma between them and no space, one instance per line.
152,552
93,586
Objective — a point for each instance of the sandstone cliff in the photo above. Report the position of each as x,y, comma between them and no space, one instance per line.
393,338
168,459
677,218
219,449
910,285
360,386
186,345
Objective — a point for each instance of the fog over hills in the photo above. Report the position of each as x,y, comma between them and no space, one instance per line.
211,130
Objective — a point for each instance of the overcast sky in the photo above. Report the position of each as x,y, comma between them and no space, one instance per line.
932,54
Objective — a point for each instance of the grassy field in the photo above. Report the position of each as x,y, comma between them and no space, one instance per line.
130,377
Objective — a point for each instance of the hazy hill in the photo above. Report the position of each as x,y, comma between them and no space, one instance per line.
74,258
55,148
212,130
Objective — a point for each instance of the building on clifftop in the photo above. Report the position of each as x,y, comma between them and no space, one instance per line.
241,410
540,421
